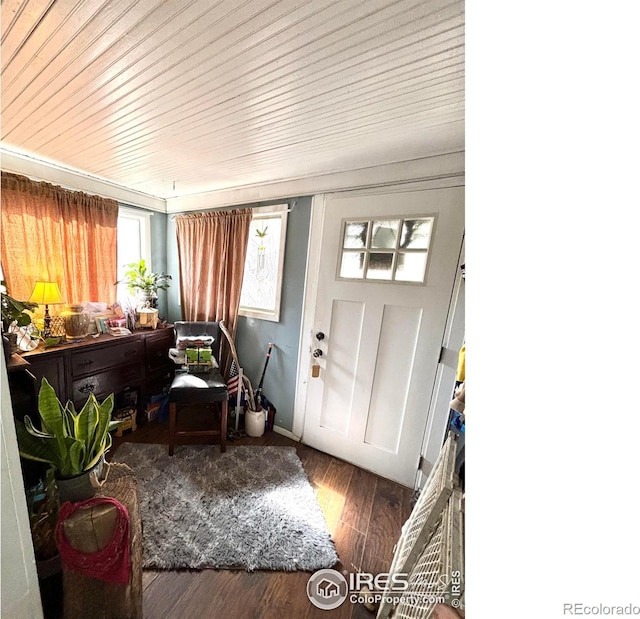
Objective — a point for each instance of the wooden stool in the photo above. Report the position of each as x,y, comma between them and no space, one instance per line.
89,597
205,389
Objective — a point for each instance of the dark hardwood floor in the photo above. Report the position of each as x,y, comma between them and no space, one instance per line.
364,514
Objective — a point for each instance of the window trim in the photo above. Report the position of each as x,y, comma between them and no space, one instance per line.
270,212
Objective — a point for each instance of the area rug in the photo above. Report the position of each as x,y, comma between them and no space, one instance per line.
250,508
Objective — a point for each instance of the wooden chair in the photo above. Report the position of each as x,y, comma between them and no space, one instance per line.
203,389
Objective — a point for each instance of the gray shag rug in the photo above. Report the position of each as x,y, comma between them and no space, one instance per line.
250,507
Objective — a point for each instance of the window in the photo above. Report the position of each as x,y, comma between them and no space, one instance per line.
262,281
134,242
393,250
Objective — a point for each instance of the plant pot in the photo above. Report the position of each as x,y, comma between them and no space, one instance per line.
254,422
85,485
147,300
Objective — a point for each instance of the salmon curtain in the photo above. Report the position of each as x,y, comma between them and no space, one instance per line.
52,234
211,252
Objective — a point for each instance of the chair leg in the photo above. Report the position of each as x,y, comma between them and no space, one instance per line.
224,412
172,426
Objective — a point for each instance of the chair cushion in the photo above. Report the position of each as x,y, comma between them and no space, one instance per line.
209,387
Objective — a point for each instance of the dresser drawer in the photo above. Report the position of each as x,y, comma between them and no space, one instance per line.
104,383
92,361
158,355
51,367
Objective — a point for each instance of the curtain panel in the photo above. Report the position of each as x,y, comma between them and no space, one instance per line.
211,252
53,234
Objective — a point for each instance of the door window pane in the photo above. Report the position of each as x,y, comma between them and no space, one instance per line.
355,234
380,266
411,267
415,234
352,265
384,234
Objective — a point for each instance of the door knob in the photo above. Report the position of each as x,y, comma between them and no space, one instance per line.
320,336
317,353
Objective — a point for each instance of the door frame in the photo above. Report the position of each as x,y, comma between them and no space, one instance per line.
318,207
442,393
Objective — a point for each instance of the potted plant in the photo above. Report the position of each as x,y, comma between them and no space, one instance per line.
73,443
143,283
14,314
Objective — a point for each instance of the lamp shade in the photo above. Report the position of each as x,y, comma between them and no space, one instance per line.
46,293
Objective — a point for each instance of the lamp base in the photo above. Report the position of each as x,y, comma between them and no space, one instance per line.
46,330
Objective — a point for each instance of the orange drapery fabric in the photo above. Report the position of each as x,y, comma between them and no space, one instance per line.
53,234
211,252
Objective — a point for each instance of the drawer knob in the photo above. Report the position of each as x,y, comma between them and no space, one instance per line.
87,388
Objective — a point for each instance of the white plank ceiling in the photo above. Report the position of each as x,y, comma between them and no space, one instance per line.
177,97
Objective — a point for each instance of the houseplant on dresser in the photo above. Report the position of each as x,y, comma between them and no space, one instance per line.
140,281
14,315
72,443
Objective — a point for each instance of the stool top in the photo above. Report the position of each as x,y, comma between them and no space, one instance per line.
188,387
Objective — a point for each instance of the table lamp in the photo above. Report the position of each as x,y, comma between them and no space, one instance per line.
46,293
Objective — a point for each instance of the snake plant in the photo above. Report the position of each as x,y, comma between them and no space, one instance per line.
71,442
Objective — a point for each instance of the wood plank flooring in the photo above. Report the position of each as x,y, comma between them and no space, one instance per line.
364,514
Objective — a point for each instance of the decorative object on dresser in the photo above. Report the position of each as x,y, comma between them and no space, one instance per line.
14,318
251,507
147,317
76,321
14,311
143,283
46,293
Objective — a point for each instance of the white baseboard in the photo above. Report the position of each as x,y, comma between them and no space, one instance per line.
287,433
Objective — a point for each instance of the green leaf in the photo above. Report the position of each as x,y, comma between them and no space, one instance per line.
88,422
39,449
70,419
24,320
77,452
50,407
31,429
104,410
102,449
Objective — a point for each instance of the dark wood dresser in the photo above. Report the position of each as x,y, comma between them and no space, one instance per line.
107,364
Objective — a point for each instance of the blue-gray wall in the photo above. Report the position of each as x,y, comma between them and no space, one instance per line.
253,335
159,256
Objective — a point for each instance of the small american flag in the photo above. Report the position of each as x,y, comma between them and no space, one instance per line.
234,378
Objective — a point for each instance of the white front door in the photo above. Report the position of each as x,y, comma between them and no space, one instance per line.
386,265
